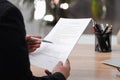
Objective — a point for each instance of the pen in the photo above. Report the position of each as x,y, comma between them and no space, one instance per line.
106,28
98,28
109,29
94,28
102,27
33,38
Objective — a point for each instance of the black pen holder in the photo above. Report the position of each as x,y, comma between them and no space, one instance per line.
103,42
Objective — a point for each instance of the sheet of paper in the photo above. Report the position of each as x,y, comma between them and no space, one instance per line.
115,62
64,35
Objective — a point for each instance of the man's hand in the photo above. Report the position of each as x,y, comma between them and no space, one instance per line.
64,69
32,44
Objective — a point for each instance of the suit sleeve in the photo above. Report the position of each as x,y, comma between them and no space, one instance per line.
14,58
55,76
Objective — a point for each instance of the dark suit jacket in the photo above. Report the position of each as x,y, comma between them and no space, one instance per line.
14,60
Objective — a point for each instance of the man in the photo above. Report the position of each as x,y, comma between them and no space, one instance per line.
14,59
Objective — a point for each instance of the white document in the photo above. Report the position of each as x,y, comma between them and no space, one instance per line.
64,36
115,62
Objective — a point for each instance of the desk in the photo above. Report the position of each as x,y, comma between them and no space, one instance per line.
86,64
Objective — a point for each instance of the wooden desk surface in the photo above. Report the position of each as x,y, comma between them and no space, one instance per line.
86,64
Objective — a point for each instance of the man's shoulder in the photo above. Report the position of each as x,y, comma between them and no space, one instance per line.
5,5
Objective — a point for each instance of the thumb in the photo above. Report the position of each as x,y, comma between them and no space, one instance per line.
60,63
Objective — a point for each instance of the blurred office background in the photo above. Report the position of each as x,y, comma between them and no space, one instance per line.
41,15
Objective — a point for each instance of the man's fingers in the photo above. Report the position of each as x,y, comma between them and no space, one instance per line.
37,36
48,72
60,63
67,63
